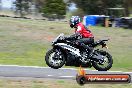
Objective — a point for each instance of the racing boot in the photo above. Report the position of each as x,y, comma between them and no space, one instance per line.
90,52
88,49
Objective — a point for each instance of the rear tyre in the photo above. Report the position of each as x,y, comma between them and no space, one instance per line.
107,60
55,58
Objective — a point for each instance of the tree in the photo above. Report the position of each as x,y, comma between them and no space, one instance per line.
54,8
96,6
128,6
22,7
0,5
39,4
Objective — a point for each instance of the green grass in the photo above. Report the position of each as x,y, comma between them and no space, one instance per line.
130,15
25,42
120,45
7,12
52,83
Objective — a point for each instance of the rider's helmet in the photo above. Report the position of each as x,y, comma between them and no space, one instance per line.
74,20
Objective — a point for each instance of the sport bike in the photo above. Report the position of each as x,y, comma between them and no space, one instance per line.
65,52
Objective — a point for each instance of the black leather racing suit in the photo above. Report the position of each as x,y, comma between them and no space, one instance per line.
82,42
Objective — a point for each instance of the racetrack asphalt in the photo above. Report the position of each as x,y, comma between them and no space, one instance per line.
46,72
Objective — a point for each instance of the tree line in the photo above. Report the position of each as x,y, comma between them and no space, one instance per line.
58,8
101,6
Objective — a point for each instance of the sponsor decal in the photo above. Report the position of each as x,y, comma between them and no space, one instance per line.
83,78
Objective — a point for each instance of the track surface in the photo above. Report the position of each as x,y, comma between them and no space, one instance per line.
45,72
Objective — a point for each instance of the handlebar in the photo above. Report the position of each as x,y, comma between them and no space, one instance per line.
105,40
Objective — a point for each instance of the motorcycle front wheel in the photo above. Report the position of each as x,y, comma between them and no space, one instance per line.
55,58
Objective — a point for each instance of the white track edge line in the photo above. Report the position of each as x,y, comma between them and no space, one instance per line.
35,67
60,68
67,76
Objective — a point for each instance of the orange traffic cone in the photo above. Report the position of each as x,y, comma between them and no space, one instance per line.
81,71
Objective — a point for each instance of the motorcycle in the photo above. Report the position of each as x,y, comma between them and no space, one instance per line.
66,52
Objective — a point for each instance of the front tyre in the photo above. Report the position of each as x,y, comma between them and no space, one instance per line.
55,58
106,64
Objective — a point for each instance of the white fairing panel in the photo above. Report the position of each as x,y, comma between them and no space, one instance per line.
70,48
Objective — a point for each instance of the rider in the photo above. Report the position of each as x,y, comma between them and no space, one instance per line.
82,34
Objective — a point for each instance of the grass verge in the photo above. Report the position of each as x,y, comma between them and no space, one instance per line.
52,83
25,42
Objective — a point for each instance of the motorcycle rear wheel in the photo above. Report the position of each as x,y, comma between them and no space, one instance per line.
99,66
